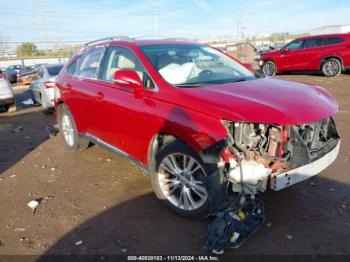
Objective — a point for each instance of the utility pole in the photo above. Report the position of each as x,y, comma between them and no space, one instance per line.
156,24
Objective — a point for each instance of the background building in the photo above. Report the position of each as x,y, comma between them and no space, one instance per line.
330,29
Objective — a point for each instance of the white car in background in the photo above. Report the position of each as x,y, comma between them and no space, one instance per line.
43,91
7,100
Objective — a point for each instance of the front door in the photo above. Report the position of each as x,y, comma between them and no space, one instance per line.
119,114
291,57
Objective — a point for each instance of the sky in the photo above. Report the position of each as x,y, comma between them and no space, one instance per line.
84,20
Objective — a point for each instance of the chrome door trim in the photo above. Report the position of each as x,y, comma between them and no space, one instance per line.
117,151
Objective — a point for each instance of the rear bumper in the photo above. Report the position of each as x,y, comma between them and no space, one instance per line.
7,101
288,178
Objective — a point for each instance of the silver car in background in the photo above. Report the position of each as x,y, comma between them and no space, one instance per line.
42,87
7,100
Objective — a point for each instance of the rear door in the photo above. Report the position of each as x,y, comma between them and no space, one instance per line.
311,54
79,87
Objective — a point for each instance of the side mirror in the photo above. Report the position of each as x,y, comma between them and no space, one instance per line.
248,66
129,78
284,49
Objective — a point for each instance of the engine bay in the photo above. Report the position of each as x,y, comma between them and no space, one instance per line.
261,150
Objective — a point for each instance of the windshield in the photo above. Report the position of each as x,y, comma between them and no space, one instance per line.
189,65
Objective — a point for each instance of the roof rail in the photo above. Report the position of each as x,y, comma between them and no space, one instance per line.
178,39
123,38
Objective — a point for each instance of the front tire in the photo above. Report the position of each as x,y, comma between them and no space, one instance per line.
269,68
331,67
177,179
68,128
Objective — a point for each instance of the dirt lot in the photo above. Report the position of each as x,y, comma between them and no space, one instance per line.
107,203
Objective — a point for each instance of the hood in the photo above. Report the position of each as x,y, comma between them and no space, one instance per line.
270,54
266,100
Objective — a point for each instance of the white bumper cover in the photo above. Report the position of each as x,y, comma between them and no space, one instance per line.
288,178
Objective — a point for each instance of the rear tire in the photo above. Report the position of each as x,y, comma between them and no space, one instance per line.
181,186
331,67
4,108
68,128
268,68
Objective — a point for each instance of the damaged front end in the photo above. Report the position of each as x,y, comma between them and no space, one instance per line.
261,156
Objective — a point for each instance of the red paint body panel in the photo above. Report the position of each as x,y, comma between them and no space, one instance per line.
310,58
129,122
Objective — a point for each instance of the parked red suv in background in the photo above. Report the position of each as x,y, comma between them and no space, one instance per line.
201,124
327,53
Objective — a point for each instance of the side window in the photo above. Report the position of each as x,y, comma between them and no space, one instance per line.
314,42
295,45
72,67
333,40
118,58
89,63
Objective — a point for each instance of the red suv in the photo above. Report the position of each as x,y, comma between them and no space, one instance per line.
200,123
327,53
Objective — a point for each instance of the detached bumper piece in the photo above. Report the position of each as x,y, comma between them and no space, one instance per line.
286,179
233,226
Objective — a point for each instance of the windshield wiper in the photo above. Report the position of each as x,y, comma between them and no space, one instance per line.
241,79
191,84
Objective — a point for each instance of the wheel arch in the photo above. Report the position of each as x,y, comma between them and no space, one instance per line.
158,140
324,59
273,61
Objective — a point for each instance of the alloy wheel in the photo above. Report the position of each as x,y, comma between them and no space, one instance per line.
268,69
67,130
179,179
331,68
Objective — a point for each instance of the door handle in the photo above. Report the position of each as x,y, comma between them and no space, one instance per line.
99,96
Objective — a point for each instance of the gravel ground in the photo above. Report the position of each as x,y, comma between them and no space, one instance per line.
94,202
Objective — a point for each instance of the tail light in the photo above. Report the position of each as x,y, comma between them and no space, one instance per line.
50,84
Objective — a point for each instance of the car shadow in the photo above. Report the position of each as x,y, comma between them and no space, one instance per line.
22,131
304,219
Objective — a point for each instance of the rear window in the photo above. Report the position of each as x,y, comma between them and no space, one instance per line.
315,42
54,70
333,40
29,68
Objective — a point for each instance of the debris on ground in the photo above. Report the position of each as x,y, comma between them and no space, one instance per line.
233,226
289,236
52,131
331,189
20,229
34,204
17,129
78,243
27,102
312,184
12,176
